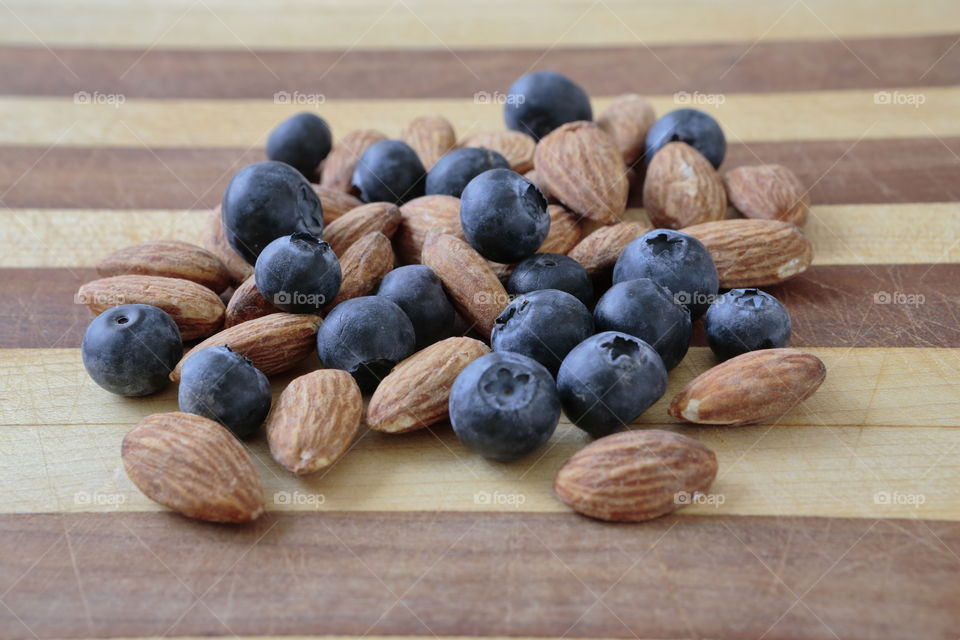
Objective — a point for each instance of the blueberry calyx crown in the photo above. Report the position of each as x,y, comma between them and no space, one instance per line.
663,242
618,347
507,390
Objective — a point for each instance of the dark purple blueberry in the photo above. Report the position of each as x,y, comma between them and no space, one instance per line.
222,385
552,271
298,273
744,320
130,350
302,141
417,290
541,101
504,216
504,405
389,171
696,128
456,169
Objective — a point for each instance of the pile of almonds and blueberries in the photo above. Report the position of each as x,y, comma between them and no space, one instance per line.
491,282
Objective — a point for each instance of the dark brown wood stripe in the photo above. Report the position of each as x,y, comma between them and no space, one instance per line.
831,306
711,68
378,573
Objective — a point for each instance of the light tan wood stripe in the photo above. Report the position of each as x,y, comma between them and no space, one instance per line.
474,24
828,115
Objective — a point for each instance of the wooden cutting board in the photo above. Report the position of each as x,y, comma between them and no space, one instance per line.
122,122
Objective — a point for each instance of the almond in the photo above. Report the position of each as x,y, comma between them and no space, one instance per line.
753,253
565,231
246,303
193,465
535,179
682,188
170,259
215,241
363,266
422,216
198,311
314,421
356,223
580,165
335,203
769,192
468,279
635,475
416,393
339,165
430,136
599,251
627,120
273,343
753,387
515,146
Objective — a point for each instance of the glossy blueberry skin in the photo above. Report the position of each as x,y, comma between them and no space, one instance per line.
551,271
389,171
743,320
504,405
544,325
608,380
302,141
417,290
504,216
130,350
264,201
219,384
673,260
452,172
645,310
298,273
539,102
696,128
365,337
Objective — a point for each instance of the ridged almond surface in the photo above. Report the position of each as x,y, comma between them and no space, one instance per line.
768,192
363,266
335,203
753,253
314,421
430,136
215,241
599,250
193,465
170,259
356,223
339,165
416,393
246,303
753,387
515,146
422,216
581,166
635,475
682,188
273,343
468,279
198,311
565,231
627,120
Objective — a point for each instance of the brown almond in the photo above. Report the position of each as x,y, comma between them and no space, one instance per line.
430,136
335,203
215,241
273,343
423,216
194,466
627,120
363,266
768,192
581,166
565,231
517,147
170,259
338,167
599,251
682,188
314,421
754,253
246,303
356,223
198,311
756,386
416,393
635,475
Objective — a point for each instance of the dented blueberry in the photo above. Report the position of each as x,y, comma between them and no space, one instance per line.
504,216
302,141
417,290
298,273
539,102
692,126
551,271
452,172
743,320
389,171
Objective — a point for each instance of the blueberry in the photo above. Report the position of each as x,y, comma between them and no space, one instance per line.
608,380
696,128
455,169
267,200
298,273
744,320
302,141
389,171
539,102
673,260
504,405
219,384
552,271
417,290
366,337
645,310
544,325
504,216
131,349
